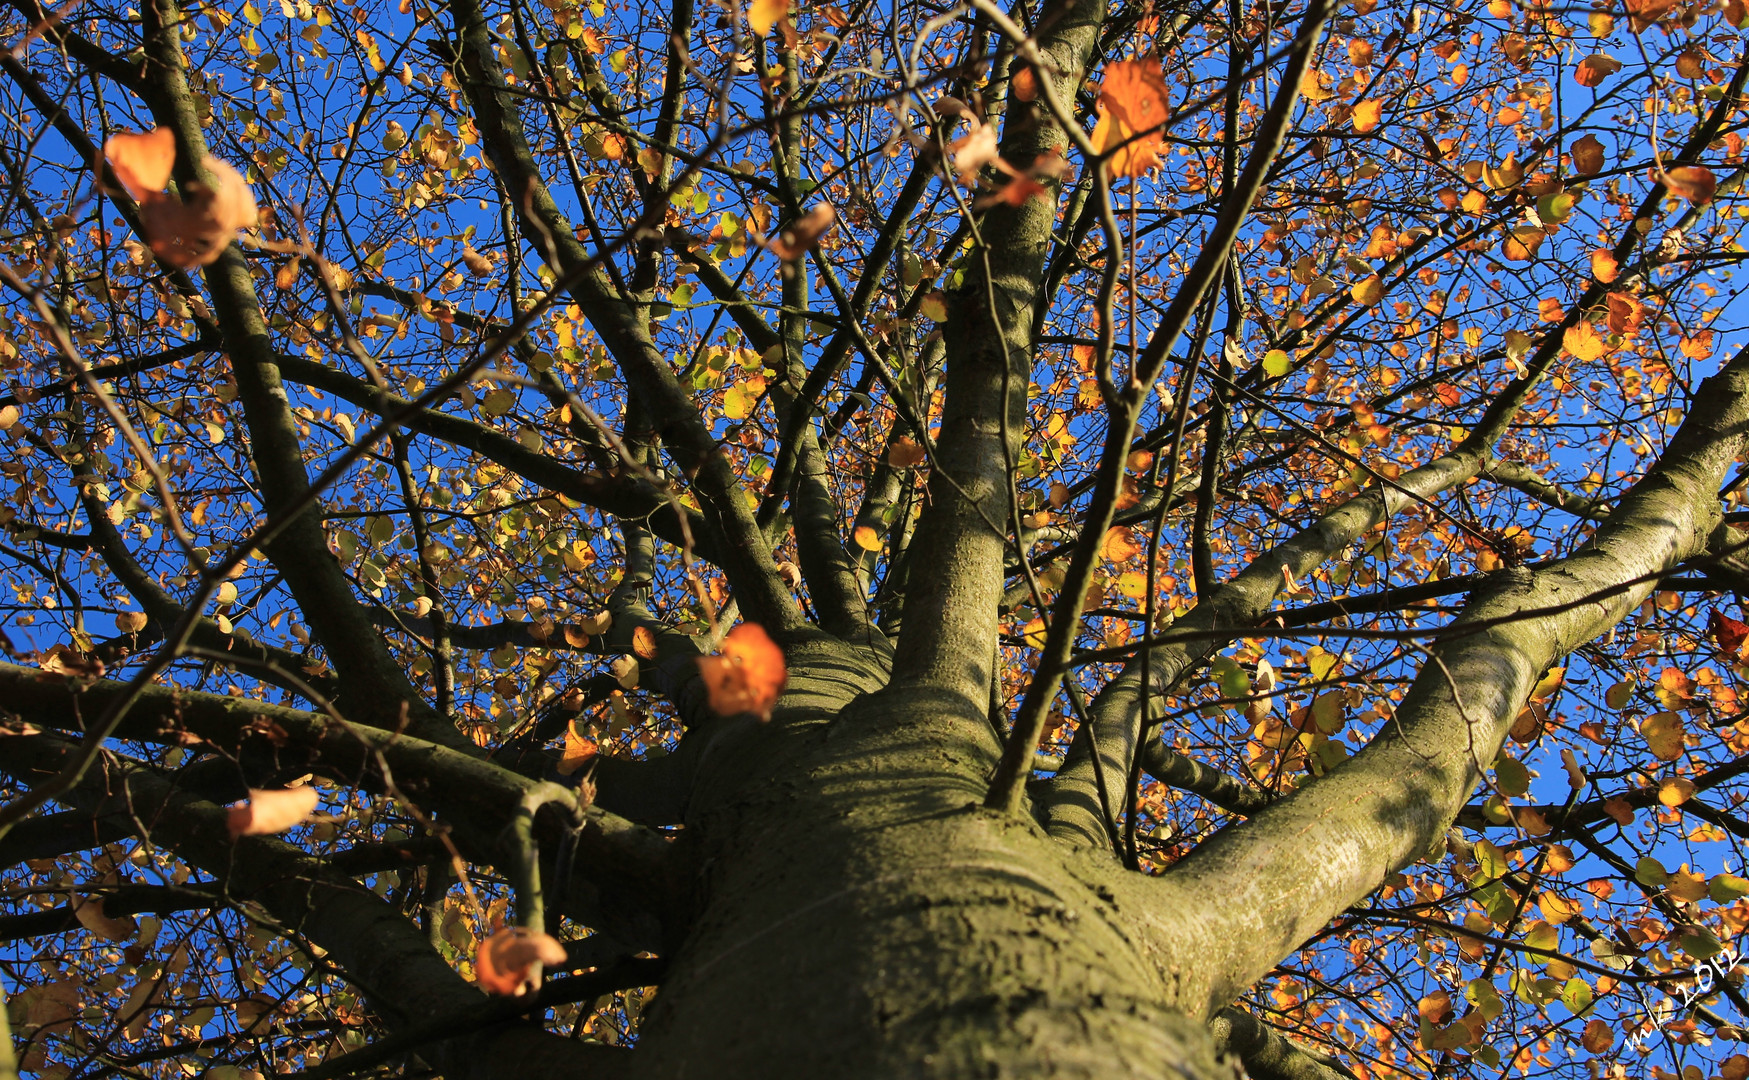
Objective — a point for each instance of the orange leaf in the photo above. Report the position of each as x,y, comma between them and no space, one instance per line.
1596,68
904,453
142,162
644,643
1675,791
1024,87
269,812
1521,243
1696,183
1132,111
866,538
1597,1036
509,962
1366,115
1643,13
580,750
1603,266
747,675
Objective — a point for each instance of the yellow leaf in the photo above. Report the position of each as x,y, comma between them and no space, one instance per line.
1368,290
1603,266
1035,633
934,307
1366,115
762,15
1664,734
1675,791
1584,342
866,538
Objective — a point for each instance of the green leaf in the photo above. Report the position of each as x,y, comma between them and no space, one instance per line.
1576,995
1651,873
1276,363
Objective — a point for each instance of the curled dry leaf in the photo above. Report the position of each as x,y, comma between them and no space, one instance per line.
1132,115
747,675
800,238
974,150
270,811
89,911
509,962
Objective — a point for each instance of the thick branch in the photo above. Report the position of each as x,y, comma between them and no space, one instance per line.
1297,863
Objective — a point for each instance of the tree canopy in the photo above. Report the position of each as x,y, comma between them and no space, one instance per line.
929,539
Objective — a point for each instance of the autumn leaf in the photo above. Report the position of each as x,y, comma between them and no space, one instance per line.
477,264
1587,156
1728,633
1597,1036
644,643
579,751
762,15
1368,290
1132,113
1521,243
1696,183
1595,68
904,454
142,161
1664,734
1675,790
89,911
1120,544
1603,266
197,229
1583,341
130,622
1645,13
800,238
509,962
270,811
972,151
866,538
1024,86
1366,115
747,675
624,670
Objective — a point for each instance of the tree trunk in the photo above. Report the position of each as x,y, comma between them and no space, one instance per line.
861,914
